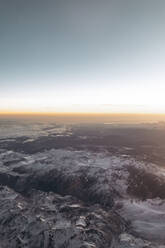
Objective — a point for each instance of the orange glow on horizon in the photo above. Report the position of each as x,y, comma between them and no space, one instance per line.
76,117
79,113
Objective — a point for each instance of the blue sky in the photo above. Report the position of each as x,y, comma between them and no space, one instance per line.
74,55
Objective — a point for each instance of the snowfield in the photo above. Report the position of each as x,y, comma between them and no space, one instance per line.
80,186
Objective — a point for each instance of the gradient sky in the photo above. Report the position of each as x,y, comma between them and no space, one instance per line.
82,55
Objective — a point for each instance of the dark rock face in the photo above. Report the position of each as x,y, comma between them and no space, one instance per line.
56,205
66,198
81,192
65,205
145,185
86,183
44,220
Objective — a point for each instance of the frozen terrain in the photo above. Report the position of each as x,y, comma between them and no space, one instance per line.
69,174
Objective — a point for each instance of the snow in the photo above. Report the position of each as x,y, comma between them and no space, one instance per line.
147,217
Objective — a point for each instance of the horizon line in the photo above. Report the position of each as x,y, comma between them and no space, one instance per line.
79,113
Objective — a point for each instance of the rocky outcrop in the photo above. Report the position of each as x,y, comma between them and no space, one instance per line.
89,184
45,220
66,198
145,185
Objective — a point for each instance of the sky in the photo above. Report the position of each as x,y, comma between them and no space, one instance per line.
94,56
